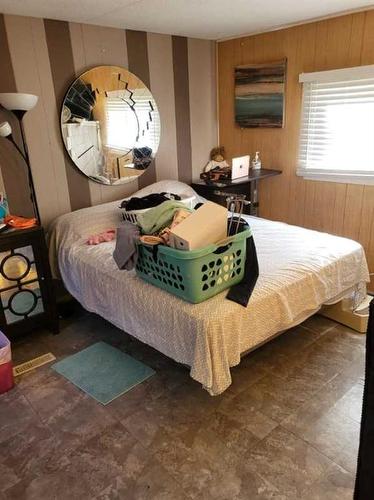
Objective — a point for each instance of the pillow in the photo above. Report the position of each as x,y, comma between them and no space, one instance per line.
168,186
189,195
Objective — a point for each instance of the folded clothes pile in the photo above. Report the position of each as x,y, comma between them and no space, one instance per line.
172,223
146,202
153,228
157,219
163,236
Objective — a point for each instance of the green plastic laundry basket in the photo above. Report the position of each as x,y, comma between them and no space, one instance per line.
195,275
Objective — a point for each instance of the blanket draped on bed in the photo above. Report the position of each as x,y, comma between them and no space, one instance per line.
299,270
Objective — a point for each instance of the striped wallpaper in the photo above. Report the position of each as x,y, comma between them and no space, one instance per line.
43,57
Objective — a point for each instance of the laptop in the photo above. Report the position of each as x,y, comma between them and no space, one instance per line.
240,167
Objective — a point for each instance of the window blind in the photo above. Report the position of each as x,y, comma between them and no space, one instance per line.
128,127
337,125
122,126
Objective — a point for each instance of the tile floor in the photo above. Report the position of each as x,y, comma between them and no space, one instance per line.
286,429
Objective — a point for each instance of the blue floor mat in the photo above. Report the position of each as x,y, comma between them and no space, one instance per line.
103,372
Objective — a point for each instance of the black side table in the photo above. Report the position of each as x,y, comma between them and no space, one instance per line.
218,191
27,298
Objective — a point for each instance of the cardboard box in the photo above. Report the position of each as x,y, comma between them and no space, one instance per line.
203,227
342,313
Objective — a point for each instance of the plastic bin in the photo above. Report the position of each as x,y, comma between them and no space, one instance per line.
195,275
6,367
132,215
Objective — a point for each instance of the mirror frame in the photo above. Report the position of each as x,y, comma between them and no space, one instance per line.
140,159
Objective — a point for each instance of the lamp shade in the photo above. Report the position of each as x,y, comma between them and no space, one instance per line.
18,102
5,129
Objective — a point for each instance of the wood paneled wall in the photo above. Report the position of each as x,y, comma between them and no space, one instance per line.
343,209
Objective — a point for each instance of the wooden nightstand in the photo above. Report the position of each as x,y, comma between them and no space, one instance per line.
27,299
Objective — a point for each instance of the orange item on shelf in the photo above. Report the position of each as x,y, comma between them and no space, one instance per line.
19,222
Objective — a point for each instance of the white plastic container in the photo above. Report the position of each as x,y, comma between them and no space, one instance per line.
132,215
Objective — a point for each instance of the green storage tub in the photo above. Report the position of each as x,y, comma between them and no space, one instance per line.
197,275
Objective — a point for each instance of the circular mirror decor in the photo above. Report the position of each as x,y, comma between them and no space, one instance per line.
110,125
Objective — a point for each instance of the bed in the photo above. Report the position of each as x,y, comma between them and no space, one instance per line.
300,270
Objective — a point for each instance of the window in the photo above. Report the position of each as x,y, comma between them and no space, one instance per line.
128,127
337,126
122,125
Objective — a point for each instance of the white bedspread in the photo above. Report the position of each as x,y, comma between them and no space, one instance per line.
299,271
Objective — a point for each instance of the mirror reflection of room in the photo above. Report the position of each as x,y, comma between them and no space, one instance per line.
110,125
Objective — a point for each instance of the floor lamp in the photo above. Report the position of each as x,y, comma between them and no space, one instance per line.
19,105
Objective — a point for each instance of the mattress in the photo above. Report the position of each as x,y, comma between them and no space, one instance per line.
300,270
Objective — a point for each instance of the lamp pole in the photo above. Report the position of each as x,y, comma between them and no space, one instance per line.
19,104
25,157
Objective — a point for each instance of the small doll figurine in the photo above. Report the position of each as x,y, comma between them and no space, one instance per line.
217,168
217,159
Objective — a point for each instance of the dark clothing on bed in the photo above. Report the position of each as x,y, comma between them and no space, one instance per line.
241,293
150,201
126,251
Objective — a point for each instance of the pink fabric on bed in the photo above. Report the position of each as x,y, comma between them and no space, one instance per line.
95,239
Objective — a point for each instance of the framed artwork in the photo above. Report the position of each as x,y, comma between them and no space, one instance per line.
259,94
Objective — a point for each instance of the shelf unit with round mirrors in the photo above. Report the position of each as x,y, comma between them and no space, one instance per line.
27,298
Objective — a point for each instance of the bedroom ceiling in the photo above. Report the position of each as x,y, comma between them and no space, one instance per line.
211,19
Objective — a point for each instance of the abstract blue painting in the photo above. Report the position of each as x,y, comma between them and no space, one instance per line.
259,95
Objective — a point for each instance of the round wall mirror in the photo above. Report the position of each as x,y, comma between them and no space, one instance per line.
110,125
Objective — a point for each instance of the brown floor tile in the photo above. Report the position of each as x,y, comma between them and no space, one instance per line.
350,404
287,462
323,360
33,380
71,339
154,483
60,485
292,341
240,433
332,434
9,477
330,395
16,414
273,396
319,323
336,484
205,468
159,385
111,465
112,453
350,335
250,370
33,452
342,342
181,412
68,412
303,356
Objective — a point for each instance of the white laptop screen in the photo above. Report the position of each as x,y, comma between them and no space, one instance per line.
240,167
